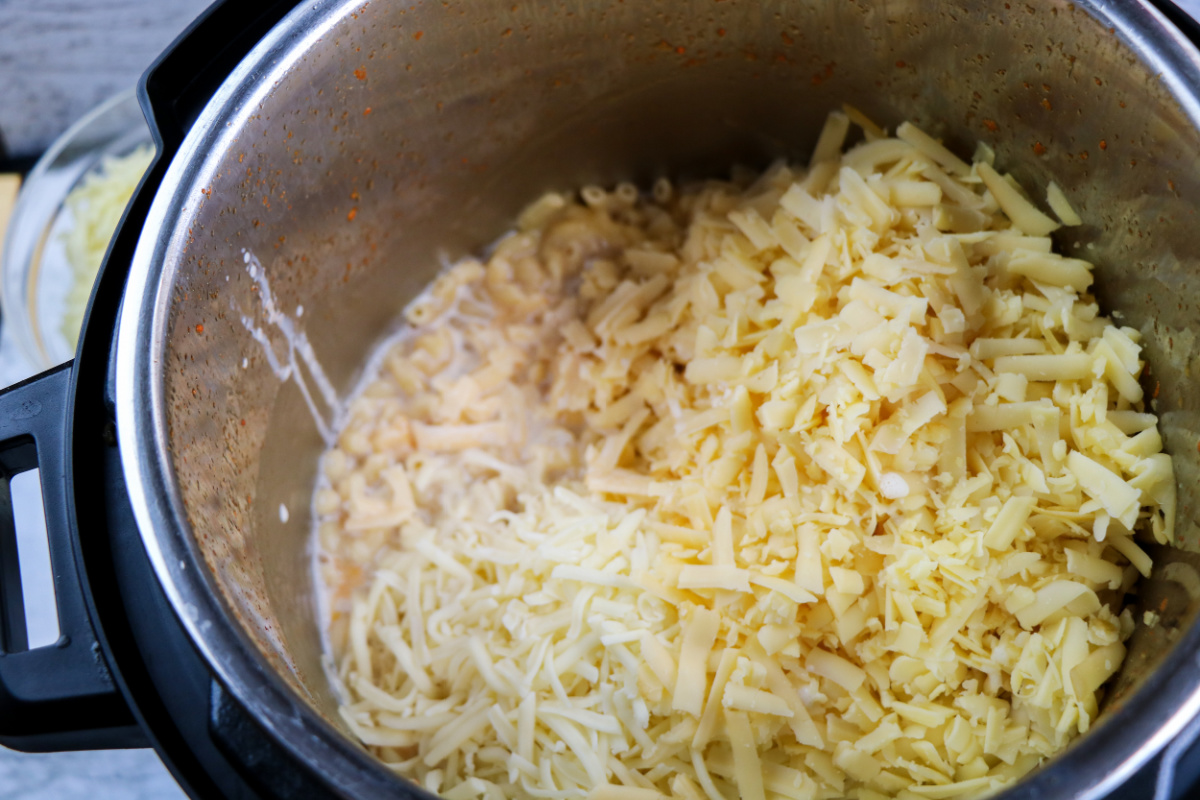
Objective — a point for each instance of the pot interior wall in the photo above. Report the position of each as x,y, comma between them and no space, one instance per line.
404,136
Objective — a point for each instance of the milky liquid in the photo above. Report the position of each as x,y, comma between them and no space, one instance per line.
371,372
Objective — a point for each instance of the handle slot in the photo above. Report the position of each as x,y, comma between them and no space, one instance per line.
17,456
33,559
58,696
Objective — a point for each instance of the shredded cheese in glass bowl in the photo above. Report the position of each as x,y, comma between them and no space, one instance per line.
817,483
65,216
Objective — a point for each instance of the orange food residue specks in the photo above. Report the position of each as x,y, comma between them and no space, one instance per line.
199,329
789,41
354,195
681,50
1084,155
353,213
367,111
417,36
990,124
720,31
901,64
360,73
243,423
1104,144
1046,104
1039,148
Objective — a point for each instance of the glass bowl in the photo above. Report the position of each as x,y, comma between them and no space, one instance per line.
36,276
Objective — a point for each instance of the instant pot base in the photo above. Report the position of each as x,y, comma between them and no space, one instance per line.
358,147
352,189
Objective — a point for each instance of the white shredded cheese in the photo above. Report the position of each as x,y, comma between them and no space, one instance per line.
1061,206
95,207
893,486
800,486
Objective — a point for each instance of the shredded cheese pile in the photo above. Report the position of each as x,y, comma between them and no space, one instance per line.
95,208
815,484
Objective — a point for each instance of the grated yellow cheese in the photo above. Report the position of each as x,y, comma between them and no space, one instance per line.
1058,202
804,485
94,208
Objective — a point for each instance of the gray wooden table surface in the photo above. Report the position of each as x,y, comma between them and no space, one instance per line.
59,58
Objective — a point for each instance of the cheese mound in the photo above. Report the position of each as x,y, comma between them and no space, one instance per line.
95,207
812,484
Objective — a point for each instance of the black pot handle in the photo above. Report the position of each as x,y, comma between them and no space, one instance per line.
60,696
177,86
63,696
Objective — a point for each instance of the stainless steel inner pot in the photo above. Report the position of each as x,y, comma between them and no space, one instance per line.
362,145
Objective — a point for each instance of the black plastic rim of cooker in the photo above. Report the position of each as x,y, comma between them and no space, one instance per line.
125,673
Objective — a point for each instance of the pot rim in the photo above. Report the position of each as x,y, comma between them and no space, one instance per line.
1126,739
141,422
